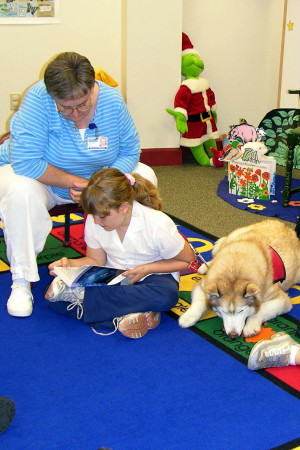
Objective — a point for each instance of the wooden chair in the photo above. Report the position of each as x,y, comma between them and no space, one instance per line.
282,138
293,140
297,228
58,210
66,210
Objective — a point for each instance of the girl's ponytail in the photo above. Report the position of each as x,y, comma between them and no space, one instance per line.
146,193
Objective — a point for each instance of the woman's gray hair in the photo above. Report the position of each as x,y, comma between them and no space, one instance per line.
69,76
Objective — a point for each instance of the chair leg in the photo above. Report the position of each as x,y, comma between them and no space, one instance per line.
297,228
298,330
286,193
66,242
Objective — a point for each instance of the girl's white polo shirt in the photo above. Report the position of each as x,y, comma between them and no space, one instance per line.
151,236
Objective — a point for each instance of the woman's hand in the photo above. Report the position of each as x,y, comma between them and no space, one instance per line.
76,189
63,262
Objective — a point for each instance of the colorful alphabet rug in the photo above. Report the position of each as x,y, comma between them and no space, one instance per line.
74,389
210,326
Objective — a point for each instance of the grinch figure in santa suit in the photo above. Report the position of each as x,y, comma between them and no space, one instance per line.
195,109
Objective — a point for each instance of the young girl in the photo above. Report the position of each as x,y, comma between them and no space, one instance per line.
125,228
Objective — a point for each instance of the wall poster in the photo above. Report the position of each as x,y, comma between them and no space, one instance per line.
29,12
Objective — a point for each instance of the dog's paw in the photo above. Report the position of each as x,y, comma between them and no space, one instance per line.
187,320
203,268
252,328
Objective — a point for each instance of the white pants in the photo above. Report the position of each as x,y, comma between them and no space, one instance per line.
24,205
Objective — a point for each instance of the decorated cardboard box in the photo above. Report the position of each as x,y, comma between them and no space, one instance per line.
253,175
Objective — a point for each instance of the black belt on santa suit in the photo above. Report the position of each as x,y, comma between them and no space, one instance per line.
202,117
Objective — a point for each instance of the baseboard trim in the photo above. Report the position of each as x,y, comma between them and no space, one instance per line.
162,156
168,156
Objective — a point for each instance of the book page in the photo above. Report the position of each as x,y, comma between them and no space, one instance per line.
69,274
88,275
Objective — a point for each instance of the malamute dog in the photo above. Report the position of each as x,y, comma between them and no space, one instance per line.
247,276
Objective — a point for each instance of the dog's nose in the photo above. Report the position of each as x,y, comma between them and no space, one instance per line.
233,335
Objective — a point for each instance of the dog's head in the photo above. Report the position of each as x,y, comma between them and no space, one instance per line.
233,302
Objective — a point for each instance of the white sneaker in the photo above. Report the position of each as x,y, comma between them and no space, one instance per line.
274,352
20,302
58,291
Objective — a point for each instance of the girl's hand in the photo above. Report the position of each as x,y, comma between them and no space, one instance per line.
63,262
137,273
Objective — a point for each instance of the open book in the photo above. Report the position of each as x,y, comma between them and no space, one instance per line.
88,275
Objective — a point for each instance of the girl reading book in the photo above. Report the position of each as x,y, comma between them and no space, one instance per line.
125,229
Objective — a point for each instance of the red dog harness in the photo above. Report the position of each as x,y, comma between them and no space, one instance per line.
279,274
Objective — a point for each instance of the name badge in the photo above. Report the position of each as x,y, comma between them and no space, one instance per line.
97,143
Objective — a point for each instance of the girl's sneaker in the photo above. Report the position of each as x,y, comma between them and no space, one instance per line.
136,325
133,325
153,319
58,291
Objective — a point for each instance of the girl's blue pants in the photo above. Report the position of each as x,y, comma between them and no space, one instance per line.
104,303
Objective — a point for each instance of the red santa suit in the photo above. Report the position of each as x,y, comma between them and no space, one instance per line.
196,101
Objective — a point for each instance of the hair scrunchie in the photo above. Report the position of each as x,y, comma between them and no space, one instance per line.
130,178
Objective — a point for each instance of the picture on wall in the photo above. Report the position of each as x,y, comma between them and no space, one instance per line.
29,12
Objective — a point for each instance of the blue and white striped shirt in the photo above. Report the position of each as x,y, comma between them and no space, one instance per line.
40,135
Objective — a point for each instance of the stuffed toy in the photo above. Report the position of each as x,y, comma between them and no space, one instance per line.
234,145
245,132
195,109
101,75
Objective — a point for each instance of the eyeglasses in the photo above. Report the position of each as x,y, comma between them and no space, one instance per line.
68,110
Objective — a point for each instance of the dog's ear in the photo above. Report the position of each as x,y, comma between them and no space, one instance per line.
212,291
250,293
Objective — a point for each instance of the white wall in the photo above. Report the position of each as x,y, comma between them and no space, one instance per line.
92,28
291,70
139,43
240,42
153,68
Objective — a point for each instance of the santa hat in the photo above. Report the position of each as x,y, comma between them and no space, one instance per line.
187,46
